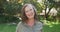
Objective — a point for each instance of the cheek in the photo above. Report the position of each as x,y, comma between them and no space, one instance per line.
29,14
26,14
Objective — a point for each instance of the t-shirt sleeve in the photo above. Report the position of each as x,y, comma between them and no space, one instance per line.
18,26
41,26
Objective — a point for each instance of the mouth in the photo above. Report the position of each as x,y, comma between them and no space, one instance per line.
31,14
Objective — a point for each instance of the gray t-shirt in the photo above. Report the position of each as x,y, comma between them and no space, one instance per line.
23,27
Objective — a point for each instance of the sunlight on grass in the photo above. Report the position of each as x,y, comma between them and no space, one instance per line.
50,26
50,23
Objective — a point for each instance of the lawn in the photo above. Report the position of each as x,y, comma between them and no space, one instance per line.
54,28
7,28
46,28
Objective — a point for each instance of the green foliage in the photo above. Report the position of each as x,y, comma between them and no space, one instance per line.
13,7
7,19
58,14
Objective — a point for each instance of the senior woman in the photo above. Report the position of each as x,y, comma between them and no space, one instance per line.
30,22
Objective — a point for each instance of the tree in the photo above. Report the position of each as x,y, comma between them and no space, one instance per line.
50,4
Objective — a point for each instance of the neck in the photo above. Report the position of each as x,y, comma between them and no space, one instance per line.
30,22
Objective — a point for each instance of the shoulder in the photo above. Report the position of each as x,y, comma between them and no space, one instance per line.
19,24
39,23
18,27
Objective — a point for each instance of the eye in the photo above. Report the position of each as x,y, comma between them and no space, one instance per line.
30,9
26,11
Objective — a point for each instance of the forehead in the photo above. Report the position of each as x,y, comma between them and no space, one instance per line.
28,7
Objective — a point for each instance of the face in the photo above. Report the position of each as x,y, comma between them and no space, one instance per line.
29,11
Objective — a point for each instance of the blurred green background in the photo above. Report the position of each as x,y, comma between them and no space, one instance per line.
48,12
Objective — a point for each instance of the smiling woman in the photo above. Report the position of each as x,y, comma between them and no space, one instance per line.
30,22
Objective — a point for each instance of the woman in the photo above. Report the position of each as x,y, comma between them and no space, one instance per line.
30,22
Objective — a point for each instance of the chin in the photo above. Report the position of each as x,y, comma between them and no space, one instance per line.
30,17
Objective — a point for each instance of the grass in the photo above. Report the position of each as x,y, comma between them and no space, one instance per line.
46,28
53,28
7,28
